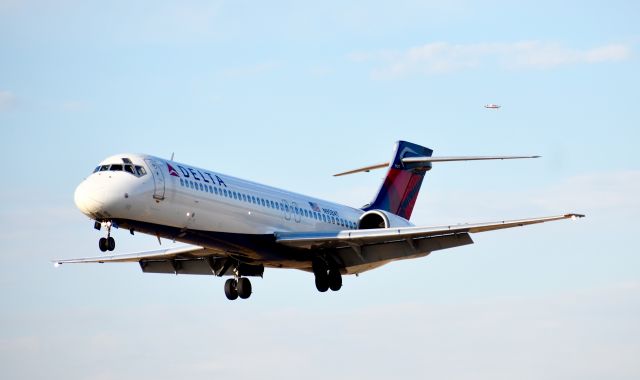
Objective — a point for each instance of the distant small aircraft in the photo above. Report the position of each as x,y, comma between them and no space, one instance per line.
492,106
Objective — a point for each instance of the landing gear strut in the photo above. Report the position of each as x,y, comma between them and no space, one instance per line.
326,278
240,287
108,243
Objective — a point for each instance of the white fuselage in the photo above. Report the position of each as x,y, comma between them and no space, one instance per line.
180,196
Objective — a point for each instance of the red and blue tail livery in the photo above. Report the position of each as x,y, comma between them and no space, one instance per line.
399,191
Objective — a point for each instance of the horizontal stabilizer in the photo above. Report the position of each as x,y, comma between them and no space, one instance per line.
418,160
414,160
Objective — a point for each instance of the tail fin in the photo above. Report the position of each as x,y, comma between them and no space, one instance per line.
400,188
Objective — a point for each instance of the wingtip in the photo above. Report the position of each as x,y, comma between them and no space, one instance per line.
574,216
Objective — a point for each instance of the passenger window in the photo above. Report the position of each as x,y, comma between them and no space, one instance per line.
225,192
215,190
273,205
262,201
181,182
324,218
201,187
129,169
277,206
116,168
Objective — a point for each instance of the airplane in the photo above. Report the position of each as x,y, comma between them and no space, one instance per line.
237,228
492,106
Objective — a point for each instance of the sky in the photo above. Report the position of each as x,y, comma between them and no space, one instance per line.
288,93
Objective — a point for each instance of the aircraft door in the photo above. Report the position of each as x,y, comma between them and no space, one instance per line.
296,212
286,210
158,178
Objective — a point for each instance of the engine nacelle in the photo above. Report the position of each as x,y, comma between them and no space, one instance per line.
381,219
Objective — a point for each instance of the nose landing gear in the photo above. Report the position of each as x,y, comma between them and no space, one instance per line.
107,243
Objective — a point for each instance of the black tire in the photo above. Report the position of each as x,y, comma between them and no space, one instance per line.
103,244
244,288
322,282
230,289
111,243
335,280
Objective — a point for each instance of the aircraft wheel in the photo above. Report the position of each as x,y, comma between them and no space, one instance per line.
335,280
230,289
111,243
244,288
103,244
322,282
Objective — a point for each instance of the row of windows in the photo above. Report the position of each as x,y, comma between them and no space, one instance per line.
280,206
136,170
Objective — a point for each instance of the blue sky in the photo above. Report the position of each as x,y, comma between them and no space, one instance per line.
287,94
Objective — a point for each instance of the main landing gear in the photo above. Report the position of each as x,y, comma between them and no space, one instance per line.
237,287
106,243
326,277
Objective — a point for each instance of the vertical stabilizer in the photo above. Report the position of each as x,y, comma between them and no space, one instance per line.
401,186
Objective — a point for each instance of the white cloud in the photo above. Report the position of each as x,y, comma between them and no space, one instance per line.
7,100
605,195
590,334
442,57
614,192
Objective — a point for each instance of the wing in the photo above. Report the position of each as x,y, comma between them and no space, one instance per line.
362,250
190,251
387,235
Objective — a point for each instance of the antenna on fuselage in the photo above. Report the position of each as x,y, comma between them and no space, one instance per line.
172,153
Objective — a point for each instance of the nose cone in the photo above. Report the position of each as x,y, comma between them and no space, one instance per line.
86,198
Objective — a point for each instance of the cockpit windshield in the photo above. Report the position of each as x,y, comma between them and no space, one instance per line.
136,170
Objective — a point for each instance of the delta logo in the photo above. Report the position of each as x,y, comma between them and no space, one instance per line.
195,174
172,171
